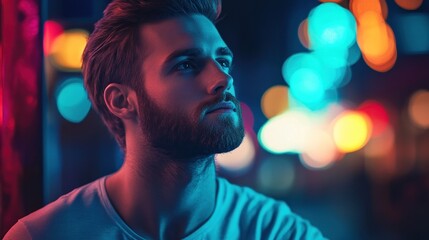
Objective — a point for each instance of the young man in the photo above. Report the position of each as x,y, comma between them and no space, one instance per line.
158,72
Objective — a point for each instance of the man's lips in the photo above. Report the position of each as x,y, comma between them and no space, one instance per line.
222,106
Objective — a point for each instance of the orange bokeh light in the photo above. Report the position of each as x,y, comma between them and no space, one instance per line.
303,34
377,42
409,4
360,7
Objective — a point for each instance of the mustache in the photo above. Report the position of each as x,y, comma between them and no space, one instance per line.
226,97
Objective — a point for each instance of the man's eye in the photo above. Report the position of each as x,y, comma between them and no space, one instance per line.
224,63
185,66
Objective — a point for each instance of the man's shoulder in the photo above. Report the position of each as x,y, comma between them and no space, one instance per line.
84,197
82,206
252,201
268,217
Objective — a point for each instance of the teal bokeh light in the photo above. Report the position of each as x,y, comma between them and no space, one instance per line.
331,26
306,85
72,100
413,33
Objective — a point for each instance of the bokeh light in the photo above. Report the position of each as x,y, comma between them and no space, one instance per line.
286,132
307,86
303,34
320,152
72,100
377,42
409,4
239,159
360,7
418,108
378,115
309,79
351,131
380,145
334,1
331,26
354,54
67,49
51,31
275,176
248,118
413,33
275,101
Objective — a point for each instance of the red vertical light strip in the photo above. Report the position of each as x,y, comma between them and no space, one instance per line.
21,149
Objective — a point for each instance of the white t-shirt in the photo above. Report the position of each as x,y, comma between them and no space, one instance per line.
87,213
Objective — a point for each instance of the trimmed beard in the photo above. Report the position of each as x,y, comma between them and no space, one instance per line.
185,136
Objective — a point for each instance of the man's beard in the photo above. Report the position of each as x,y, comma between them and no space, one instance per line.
185,136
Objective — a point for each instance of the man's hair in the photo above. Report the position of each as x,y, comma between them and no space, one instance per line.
114,52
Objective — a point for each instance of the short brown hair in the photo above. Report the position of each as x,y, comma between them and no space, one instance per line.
113,52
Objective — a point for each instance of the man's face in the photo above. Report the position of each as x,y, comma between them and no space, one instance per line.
187,107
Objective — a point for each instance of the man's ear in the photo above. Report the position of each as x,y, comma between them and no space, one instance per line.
121,100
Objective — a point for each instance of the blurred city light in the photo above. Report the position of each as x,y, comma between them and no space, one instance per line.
286,132
378,115
72,100
331,26
351,131
375,37
418,108
303,34
409,4
413,33
51,31
334,1
239,159
275,101
381,145
360,7
307,86
320,152
247,114
67,49
354,54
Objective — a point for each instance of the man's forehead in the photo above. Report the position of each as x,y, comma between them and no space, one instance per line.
195,31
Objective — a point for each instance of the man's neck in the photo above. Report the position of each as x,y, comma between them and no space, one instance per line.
162,197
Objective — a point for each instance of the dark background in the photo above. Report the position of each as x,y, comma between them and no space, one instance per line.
345,201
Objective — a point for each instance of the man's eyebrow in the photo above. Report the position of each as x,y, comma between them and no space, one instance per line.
225,51
193,52
184,52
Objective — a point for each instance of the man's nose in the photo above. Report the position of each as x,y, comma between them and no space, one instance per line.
218,78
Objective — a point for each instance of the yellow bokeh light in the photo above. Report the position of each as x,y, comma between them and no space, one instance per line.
275,101
351,131
67,49
240,158
418,108
409,4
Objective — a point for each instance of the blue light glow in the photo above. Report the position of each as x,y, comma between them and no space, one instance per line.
306,85
72,100
331,26
413,33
